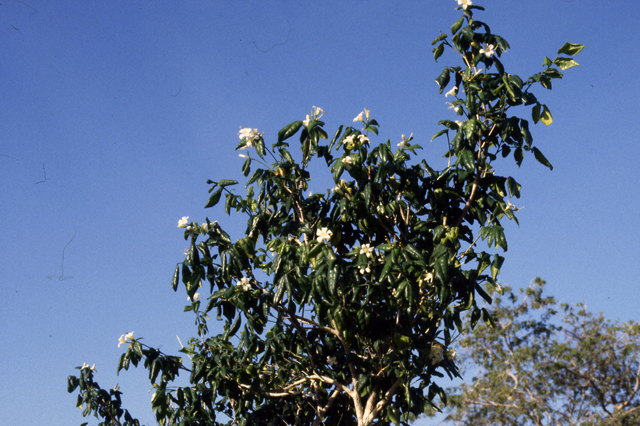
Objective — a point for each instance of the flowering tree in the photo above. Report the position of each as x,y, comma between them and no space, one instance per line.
337,307
551,364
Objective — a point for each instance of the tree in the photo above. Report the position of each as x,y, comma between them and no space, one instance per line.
549,364
338,307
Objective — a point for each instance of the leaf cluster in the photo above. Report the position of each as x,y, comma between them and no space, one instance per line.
340,307
549,363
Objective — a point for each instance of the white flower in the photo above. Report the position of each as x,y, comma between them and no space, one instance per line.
250,136
348,140
245,283
85,365
404,141
427,278
489,51
456,108
125,338
331,360
317,112
242,156
182,223
116,388
451,354
305,123
453,92
363,139
363,271
465,3
360,116
459,123
512,207
366,249
195,297
323,234
436,355
347,161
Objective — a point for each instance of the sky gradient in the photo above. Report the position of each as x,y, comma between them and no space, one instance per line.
114,114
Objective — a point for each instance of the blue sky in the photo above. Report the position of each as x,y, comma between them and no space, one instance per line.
114,114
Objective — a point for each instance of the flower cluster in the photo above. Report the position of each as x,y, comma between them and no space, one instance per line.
316,113
250,136
125,338
426,278
194,228
456,108
436,355
348,162
403,143
360,117
351,140
85,365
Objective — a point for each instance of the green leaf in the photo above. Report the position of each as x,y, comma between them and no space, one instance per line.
469,128
545,116
553,73
227,182
535,113
486,317
246,167
335,137
467,159
72,383
176,277
289,130
234,328
456,26
332,281
393,414
215,197
498,65
440,133
565,63
246,247
137,348
524,131
437,51
513,187
443,79
496,265
439,38
547,61
541,158
570,49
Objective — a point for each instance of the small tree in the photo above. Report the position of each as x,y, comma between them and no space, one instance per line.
337,307
549,364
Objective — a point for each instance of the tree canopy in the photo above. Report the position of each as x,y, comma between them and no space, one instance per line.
338,307
546,363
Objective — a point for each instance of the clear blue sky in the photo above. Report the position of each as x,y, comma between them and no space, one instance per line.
114,113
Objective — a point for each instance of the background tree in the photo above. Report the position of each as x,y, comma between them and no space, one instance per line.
548,364
338,306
